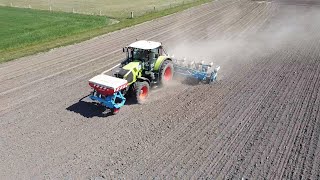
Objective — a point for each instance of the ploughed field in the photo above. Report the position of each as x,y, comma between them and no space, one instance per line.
260,120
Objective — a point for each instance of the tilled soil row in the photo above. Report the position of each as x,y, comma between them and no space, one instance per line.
261,120
200,113
167,135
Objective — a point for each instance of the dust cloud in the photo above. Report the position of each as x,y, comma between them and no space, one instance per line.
288,28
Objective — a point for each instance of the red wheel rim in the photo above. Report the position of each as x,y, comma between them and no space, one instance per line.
143,92
167,74
115,110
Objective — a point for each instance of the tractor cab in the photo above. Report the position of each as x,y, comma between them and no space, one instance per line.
146,52
145,61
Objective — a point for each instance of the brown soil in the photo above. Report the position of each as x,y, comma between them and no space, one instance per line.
260,120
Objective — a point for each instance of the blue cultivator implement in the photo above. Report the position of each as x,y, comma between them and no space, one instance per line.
197,71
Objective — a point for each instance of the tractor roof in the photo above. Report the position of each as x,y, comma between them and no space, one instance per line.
145,44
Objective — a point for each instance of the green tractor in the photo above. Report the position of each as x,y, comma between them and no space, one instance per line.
146,64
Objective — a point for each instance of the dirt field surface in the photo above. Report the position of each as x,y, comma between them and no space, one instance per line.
259,121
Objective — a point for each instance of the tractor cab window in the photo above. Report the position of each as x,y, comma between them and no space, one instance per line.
160,51
139,54
148,57
154,54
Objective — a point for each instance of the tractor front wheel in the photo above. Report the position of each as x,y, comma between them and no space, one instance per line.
141,91
166,72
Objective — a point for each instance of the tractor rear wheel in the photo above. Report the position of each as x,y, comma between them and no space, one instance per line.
141,91
166,72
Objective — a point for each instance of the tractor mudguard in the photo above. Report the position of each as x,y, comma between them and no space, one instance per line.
159,62
143,79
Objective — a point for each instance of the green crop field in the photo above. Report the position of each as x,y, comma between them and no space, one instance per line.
112,8
21,27
26,31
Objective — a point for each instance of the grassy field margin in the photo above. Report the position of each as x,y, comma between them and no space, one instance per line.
62,41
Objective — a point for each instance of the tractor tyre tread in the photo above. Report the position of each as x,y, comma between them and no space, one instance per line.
164,66
137,86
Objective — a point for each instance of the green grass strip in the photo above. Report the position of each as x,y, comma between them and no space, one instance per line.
17,42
